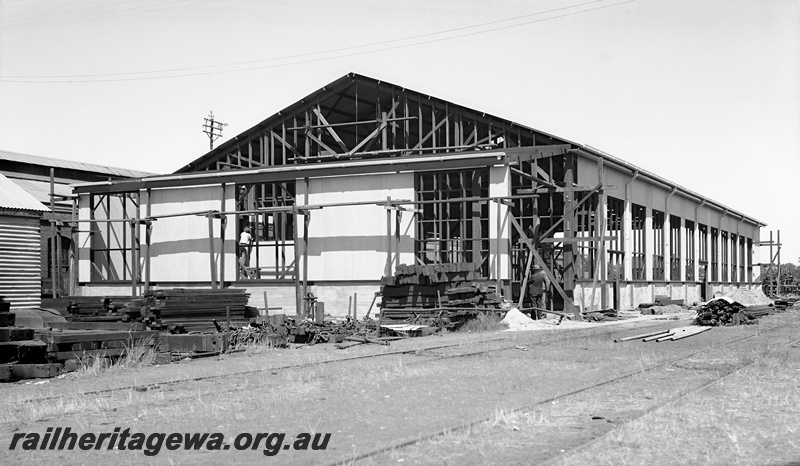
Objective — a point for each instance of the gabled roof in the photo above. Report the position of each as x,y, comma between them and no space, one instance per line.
13,197
71,165
334,126
356,97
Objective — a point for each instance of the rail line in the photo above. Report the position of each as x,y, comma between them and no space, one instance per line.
656,406
475,422
156,385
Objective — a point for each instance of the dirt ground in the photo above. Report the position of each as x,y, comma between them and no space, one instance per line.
522,397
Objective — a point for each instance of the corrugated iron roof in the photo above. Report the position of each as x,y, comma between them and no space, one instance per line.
14,197
72,165
40,190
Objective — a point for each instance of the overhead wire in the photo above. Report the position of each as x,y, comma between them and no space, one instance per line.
135,76
46,17
321,52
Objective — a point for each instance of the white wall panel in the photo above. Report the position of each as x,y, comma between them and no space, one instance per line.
349,243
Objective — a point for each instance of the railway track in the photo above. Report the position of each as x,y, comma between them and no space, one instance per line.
417,350
528,407
682,395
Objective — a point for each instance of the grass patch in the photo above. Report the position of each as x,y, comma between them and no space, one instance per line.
484,322
141,354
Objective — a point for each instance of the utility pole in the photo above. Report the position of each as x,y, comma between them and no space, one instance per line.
213,129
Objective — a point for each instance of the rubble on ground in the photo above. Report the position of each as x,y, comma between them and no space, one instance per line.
726,311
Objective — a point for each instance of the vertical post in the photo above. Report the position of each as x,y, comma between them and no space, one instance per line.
134,258
771,258
649,244
73,265
297,291
211,250
497,249
696,249
266,305
387,272
397,220
477,220
349,306
137,243
601,230
58,258
627,228
306,221
223,223
355,306
778,286
148,232
569,226
53,245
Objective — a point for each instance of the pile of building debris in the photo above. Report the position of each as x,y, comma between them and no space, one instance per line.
737,307
726,311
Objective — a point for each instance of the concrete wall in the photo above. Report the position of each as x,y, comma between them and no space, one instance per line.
634,293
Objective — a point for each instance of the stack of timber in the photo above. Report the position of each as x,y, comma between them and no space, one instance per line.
725,311
196,310
785,303
69,342
106,309
21,355
472,295
440,294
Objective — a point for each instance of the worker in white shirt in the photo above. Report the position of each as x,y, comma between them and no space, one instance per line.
245,241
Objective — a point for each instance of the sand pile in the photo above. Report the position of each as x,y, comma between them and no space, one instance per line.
519,321
748,297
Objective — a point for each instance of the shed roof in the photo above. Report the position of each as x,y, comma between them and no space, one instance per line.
71,165
13,197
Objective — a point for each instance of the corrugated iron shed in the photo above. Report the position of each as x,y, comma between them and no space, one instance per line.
13,197
71,165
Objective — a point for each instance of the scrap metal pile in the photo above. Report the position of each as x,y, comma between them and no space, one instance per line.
726,311
440,295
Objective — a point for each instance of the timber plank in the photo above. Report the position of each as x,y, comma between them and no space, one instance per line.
33,351
15,334
78,336
133,326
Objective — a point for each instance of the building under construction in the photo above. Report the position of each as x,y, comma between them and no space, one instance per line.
363,175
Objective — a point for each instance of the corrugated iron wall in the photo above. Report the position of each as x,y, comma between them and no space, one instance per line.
20,251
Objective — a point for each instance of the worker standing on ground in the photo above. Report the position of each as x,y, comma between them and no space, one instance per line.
245,240
538,284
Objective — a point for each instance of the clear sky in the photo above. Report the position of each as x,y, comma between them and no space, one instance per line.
703,93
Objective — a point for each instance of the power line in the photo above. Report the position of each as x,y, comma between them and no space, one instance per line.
322,52
47,17
135,76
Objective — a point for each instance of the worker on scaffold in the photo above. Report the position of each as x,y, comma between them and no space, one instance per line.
245,242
